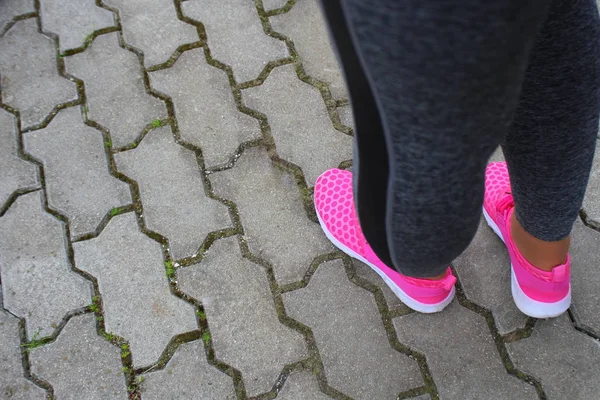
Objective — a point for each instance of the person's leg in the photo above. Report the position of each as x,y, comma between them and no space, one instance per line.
445,79
550,145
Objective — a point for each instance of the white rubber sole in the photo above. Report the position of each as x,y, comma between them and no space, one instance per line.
526,304
405,298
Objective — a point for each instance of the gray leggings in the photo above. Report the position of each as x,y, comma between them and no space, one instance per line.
437,86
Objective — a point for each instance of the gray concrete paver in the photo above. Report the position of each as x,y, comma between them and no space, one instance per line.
233,27
174,381
16,172
13,8
30,79
301,386
271,211
37,281
358,358
242,318
80,364
182,213
273,4
461,355
114,87
346,116
154,28
79,186
300,124
72,21
367,273
138,305
205,108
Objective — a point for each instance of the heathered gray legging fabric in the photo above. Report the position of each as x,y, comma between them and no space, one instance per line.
436,86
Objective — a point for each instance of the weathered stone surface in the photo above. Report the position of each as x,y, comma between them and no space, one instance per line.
37,281
12,8
591,202
484,269
175,381
17,174
365,272
300,124
564,360
346,116
73,21
271,211
233,27
359,362
13,384
135,292
153,27
116,96
246,332
80,364
273,4
205,108
305,26
30,80
461,355
585,281
182,213
80,185
301,386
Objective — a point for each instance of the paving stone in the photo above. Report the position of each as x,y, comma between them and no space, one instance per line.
80,185
367,273
273,4
300,124
38,283
74,21
135,292
484,270
422,397
564,360
272,214
13,384
461,355
12,8
17,174
115,91
246,332
174,382
30,80
233,27
210,121
305,25
585,279
591,202
301,386
80,364
358,361
182,213
346,116
153,27
497,156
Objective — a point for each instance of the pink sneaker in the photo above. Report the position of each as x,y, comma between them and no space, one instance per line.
536,293
334,202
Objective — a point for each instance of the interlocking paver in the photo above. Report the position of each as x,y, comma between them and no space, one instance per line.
305,26
13,384
37,281
13,8
484,269
135,292
30,79
153,27
272,214
242,318
564,360
174,382
273,4
301,386
461,355
182,213
299,122
79,186
358,361
591,203
233,27
204,106
367,273
115,92
80,364
72,21
17,174
346,116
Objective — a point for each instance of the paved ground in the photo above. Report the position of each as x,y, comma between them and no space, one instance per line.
158,239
